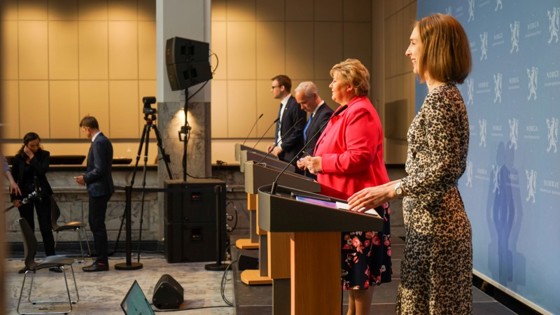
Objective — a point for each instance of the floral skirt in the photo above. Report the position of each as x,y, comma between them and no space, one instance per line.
366,255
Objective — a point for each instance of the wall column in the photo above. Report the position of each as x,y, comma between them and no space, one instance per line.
188,19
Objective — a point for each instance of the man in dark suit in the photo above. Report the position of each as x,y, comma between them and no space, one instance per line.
291,121
99,182
307,96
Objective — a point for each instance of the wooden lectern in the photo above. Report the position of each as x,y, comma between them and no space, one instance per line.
243,154
274,247
315,242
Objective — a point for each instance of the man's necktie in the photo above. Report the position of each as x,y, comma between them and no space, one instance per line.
278,124
307,126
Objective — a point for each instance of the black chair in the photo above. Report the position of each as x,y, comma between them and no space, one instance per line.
32,266
60,226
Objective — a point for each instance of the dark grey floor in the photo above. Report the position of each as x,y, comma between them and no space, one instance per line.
251,300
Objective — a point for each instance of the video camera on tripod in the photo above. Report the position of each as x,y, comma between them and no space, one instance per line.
149,112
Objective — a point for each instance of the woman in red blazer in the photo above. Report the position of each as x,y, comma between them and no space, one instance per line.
347,158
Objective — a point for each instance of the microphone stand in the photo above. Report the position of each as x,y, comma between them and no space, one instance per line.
276,142
264,134
255,124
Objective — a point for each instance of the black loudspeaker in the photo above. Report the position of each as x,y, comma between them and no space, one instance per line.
187,62
195,225
168,293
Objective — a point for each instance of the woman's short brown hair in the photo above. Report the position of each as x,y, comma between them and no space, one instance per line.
354,73
446,55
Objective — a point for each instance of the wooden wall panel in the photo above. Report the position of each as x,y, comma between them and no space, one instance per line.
34,107
94,101
10,109
29,10
92,10
93,50
328,49
270,50
9,54
219,109
33,50
300,50
241,44
64,109
124,109
266,105
63,10
242,111
123,50
147,50
63,50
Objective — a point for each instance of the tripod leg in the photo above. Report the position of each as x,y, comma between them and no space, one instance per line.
145,132
164,156
143,191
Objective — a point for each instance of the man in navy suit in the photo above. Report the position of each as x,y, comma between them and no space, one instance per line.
291,121
307,96
99,183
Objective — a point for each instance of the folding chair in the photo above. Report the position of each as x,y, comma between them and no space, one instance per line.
30,249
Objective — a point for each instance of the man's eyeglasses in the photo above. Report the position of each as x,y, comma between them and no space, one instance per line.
274,86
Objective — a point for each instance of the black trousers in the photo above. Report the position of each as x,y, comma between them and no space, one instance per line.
43,209
97,211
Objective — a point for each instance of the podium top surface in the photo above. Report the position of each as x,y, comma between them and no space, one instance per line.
283,212
257,175
244,154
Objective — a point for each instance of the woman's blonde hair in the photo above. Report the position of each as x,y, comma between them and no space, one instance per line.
447,55
354,73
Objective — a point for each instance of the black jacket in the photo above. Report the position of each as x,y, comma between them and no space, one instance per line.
98,178
292,138
319,121
39,166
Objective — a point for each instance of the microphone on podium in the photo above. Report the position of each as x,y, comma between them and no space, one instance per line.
267,129
276,142
256,121
275,182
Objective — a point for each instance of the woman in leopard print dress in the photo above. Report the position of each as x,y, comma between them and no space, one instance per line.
437,265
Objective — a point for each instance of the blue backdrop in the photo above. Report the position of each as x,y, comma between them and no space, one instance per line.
511,187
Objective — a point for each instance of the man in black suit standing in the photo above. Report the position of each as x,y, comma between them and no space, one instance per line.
99,183
291,121
307,95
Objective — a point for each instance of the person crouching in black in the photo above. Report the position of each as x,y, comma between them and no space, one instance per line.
29,168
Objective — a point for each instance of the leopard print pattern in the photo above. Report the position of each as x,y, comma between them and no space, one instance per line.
436,271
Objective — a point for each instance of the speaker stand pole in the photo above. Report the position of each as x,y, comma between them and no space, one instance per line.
218,266
128,265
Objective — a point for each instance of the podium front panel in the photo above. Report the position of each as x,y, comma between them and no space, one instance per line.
281,212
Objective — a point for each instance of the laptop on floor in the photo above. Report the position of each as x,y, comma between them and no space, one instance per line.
135,302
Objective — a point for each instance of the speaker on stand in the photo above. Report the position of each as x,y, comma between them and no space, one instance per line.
168,293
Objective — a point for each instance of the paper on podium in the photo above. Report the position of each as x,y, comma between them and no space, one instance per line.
332,204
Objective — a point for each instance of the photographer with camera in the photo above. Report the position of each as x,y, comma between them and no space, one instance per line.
29,169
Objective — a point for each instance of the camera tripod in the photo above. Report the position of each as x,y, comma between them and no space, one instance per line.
149,117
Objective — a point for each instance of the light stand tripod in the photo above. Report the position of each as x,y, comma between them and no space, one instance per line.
185,134
149,117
